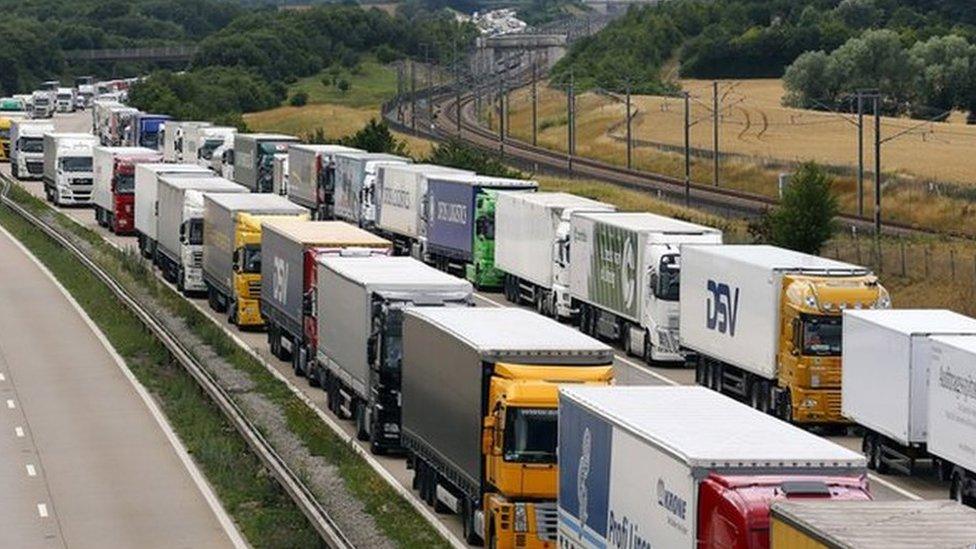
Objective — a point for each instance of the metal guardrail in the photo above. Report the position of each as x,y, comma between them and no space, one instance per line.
303,497
165,53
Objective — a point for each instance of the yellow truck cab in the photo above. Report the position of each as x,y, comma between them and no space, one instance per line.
232,251
480,405
5,124
810,341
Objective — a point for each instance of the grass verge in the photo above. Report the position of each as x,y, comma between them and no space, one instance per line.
394,516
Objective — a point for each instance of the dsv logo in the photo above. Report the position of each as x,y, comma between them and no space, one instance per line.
723,308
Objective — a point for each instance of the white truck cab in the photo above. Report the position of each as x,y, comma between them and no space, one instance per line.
65,100
27,148
68,171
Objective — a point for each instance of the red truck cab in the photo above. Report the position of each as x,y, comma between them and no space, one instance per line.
734,510
123,197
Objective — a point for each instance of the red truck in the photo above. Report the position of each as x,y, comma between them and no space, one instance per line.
685,467
113,192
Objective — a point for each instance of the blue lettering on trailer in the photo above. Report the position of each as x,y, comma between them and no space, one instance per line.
723,308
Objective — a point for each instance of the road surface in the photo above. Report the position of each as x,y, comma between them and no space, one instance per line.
628,370
83,460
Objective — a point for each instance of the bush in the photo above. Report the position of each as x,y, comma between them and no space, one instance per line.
804,219
458,154
375,137
343,85
299,99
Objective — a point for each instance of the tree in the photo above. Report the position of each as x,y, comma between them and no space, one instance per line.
804,219
299,99
811,80
375,137
458,154
343,86
945,74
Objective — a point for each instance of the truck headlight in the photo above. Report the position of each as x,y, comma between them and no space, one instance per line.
521,518
815,380
809,403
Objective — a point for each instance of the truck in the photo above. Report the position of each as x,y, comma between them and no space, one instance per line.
68,170
952,401
279,174
6,122
146,200
222,160
65,100
42,104
289,250
360,305
253,158
461,224
232,251
870,524
199,142
685,467
179,250
479,407
144,129
114,190
355,178
116,132
27,147
401,205
884,380
623,279
532,247
174,140
765,324
311,177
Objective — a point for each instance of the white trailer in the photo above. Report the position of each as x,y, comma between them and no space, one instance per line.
174,140
355,178
532,247
952,409
401,204
68,171
199,142
885,376
180,226
146,201
643,467
279,175
311,177
624,271
27,147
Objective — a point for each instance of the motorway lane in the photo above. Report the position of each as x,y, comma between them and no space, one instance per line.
628,370
83,461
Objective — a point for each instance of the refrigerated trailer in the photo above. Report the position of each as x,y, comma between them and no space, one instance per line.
146,200
232,259
174,139
68,169
401,205
114,188
479,397
311,177
532,247
623,278
200,142
884,380
684,467
952,407
355,184
289,250
765,323
871,525
360,305
461,224
179,250
253,158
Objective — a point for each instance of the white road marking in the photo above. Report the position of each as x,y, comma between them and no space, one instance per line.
19,431
3,377
895,488
10,403
42,510
31,471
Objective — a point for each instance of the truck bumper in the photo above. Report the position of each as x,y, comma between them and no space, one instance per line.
817,406
74,196
249,313
518,525
193,280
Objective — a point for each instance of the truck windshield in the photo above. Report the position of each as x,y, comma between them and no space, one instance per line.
4,133
206,151
125,183
76,163
485,227
669,275
31,144
393,340
150,140
821,335
195,235
252,258
530,435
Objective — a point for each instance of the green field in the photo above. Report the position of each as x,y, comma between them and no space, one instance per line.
370,84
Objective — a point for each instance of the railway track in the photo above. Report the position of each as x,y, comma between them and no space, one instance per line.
722,201
287,478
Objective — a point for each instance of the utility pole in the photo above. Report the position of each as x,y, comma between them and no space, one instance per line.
877,167
457,88
715,120
687,97
629,143
413,96
430,106
570,125
535,103
501,117
860,153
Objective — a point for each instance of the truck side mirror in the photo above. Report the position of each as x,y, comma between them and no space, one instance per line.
182,233
371,349
237,260
488,435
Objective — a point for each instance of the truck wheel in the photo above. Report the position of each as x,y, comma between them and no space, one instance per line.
359,412
180,286
13,170
955,488
785,407
880,465
471,537
867,448
232,312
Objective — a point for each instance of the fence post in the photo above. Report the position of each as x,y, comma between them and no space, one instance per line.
903,273
857,246
926,255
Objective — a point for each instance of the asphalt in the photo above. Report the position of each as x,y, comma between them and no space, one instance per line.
629,371
83,460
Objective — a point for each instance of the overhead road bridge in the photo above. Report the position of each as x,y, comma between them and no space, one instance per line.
168,53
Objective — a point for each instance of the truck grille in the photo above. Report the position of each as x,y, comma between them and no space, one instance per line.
35,168
86,182
668,340
254,288
197,259
546,521
833,403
